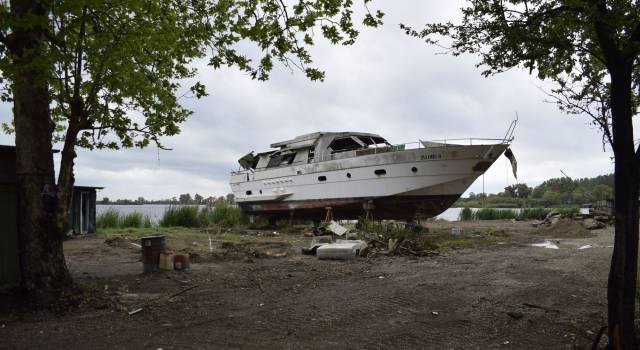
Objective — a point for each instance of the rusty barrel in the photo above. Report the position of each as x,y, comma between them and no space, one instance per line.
152,246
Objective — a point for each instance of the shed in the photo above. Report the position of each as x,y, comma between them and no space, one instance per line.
82,214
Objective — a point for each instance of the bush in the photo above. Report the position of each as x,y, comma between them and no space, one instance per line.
184,216
466,214
108,219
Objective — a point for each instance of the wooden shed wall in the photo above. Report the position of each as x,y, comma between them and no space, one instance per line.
9,261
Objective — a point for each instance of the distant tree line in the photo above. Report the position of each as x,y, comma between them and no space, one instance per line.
554,192
184,199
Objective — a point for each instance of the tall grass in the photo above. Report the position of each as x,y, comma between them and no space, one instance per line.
113,219
134,219
184,216
495,214
191,216
108,219
466,214
226,215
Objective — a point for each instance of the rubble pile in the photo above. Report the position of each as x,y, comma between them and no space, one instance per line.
592,221
328,243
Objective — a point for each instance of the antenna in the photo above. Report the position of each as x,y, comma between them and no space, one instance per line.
565,175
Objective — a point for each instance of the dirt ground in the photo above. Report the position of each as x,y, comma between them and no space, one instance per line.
259,292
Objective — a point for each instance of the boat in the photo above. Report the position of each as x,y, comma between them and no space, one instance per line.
351,175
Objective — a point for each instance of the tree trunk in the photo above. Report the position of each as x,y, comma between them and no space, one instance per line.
44,274
622,276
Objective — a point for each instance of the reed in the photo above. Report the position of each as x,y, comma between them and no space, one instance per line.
466,214
495,214
183,216
108,219
132,220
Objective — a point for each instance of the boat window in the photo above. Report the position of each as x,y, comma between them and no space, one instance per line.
380,172
349,175
248,193
322,178
373,141
344,144
281,158
311,155
414,169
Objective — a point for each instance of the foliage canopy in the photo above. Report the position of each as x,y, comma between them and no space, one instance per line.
117,68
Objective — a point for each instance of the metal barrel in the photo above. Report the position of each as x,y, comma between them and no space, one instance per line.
152,246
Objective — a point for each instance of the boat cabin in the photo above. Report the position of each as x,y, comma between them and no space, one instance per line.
316,147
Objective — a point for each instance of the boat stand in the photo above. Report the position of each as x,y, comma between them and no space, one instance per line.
329,214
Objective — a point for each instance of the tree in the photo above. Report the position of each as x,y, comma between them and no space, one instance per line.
523,191
602,192
198,198
108,74
510,191
185,198
589,49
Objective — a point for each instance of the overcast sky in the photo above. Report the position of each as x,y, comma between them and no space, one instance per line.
387,83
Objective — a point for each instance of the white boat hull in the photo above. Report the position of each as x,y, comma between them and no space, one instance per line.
420,182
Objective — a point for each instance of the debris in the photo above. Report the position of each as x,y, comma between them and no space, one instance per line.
182,291
585,247
342,250
592,224
131,313
316,242
533,306
181,262
210,244
546,244
166,262
308,234
435,313
394,244
336,228
456,231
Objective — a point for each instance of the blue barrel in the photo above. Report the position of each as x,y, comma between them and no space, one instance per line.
152,246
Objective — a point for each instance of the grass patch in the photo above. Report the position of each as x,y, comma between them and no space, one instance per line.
136,233
179,232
